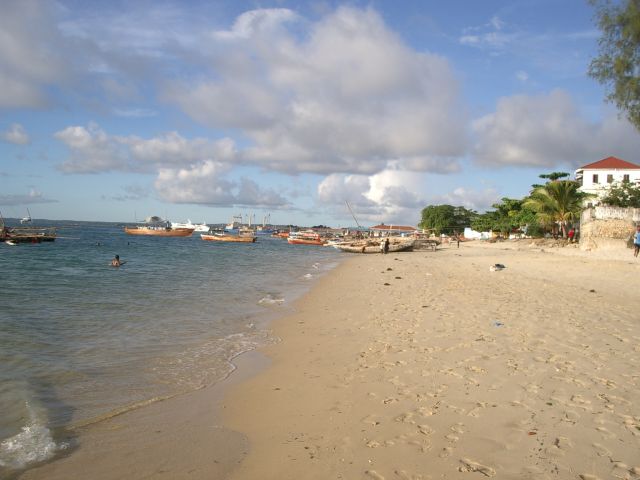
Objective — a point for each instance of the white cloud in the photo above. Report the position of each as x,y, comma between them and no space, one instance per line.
547,131
348,98
391,196
206,184
522,76
92,150
16,134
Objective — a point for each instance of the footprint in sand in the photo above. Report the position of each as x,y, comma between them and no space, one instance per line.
601,450
373,474
471,466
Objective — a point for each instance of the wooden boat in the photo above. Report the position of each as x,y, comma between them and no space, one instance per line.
373,246
280,234
243,236
15,235
164,231
307,237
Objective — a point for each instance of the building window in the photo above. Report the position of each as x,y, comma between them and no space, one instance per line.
595,178
609,178
625,178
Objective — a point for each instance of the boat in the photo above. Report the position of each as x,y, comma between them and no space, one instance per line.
157,227
373,246
197,227
235,224
244,235
26,219
306,237
278,234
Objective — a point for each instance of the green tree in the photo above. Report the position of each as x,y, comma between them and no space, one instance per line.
553,176
556,203
616,66
623,194
446,219
508,215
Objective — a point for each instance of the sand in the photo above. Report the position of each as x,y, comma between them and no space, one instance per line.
429,365
413,366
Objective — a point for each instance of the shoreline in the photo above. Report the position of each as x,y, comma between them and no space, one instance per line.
99,445
398,383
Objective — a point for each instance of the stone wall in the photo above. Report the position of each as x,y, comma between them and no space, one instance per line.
607,228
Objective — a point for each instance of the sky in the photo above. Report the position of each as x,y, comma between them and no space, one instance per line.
287,110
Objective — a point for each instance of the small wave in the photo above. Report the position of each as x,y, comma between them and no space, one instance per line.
308,275
269,300
33,444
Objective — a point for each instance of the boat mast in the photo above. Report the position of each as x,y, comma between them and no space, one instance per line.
352,214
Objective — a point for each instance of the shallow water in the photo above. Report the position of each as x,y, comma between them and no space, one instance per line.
80,340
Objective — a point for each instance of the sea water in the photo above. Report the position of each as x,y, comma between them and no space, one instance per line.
81,341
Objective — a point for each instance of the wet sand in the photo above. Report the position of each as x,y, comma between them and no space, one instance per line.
412,366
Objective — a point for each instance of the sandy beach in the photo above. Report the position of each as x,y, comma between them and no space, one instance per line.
413,366
429,365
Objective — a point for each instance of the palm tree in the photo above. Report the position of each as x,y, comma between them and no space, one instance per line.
557,202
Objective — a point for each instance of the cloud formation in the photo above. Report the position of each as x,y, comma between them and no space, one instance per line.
16,134
349,97
548,130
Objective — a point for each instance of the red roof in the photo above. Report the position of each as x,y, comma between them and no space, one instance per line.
611,163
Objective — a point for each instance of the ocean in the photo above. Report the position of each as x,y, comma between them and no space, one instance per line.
81,341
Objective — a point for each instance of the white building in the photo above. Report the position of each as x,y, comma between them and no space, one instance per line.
595,178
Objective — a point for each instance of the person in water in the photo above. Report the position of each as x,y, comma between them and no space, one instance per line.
116,261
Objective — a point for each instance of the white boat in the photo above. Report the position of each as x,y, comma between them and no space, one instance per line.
198,227
26,219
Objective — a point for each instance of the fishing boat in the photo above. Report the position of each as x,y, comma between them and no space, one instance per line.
157,227
244,235
197,227
306,237
373,246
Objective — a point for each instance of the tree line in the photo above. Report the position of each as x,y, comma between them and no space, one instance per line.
551,207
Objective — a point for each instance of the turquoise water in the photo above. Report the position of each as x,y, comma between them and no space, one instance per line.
80,340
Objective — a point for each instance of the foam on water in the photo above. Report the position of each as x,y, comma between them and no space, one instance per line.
33,444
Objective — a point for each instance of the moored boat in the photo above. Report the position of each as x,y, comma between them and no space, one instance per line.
243,236
157,227
197,227
307,237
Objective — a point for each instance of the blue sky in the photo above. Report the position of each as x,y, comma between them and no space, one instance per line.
203,109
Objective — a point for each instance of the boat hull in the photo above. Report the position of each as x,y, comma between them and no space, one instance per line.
227,238
164,232
302,241
375,248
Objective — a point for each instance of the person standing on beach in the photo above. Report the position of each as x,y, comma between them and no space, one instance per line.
382,242
571,233
636,242
386,245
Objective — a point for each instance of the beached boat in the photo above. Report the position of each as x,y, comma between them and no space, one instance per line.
373,246
307,237
243,236
157,227
197,227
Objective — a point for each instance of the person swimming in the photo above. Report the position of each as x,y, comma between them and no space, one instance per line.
116,261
